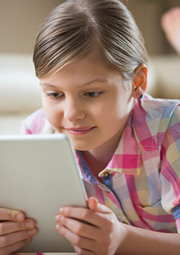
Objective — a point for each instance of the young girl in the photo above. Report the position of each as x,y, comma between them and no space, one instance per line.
92,66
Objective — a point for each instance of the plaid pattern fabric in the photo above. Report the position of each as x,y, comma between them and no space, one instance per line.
143,184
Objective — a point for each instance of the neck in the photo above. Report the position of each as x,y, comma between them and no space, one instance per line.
98,158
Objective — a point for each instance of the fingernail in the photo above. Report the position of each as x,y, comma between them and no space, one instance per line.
29,224
58,218
58,227
32,232
61,210
19,217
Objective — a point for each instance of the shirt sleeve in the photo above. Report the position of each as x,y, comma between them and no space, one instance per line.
170,169
36,123
24,130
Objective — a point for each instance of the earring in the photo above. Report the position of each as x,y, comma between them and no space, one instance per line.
139,96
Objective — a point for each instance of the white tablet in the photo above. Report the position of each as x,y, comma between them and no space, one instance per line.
39,175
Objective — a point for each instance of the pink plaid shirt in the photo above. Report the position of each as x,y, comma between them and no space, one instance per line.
141,183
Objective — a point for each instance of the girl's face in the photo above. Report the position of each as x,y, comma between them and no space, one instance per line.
88,102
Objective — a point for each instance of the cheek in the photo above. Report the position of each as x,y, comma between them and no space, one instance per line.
115,113
52,113
116,109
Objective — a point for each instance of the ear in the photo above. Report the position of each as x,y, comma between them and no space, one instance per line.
140,80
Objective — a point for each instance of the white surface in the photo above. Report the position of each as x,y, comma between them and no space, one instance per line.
10,123
19,87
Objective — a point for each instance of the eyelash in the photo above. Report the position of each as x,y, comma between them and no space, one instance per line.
52,95
92,92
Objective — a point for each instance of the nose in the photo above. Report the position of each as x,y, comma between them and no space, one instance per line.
73,110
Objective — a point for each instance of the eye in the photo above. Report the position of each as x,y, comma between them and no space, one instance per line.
54,95
93,94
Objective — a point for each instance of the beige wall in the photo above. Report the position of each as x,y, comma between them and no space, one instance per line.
21,19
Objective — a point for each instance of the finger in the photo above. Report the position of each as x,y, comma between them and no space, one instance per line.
16,237
82,214
95,206
10,227
96,218
79,250
74,239
79,228
14,247
11,215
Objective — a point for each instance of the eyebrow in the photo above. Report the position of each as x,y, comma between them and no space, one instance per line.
86,83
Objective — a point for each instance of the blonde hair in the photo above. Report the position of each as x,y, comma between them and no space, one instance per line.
77,27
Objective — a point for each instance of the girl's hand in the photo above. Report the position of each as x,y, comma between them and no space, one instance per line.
102,235
15,230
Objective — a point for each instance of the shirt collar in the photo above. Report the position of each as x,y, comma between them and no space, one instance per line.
127,157
85,169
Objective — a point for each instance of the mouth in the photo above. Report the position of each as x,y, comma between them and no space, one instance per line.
80,130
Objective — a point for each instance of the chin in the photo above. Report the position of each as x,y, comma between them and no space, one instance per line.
81,146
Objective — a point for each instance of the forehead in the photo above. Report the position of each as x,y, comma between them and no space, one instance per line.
83,71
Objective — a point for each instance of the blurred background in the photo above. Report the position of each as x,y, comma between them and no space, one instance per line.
20,21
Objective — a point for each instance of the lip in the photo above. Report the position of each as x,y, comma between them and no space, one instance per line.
79,130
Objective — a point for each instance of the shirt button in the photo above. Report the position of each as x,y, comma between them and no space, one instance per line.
106,174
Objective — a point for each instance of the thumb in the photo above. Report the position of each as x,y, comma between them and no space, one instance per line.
93,203
95,206
11,215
